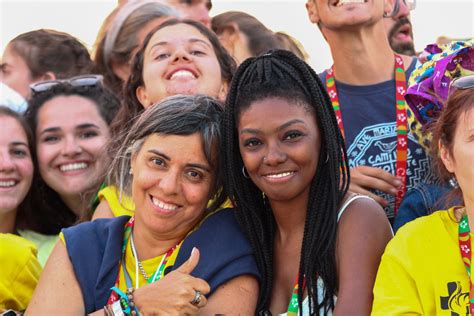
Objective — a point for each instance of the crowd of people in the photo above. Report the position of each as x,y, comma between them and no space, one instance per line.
195,165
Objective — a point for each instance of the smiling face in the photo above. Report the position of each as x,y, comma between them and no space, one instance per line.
280,152
172,183
16,167
70,139
15,72
179,60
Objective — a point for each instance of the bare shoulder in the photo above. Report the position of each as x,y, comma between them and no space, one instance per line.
362,211
103,210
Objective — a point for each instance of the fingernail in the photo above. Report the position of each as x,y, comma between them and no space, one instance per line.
397,183
393,191
193,250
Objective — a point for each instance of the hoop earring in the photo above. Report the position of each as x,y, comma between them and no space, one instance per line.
244,172
453,182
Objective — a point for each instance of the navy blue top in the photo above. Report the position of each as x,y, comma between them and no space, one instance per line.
369,117
94,249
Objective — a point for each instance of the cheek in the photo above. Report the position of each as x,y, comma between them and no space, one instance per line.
45,154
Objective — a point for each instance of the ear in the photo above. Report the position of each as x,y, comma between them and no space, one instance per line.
388,6
142,96
229,36
312,12
223,92
446,157
49,75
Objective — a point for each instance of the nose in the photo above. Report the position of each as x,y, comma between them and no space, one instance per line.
6,163
169,182
181,54
71,146
403,10
275,155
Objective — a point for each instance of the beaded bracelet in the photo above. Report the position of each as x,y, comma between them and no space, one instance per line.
131,303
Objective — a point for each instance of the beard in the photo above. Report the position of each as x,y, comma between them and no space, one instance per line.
400,47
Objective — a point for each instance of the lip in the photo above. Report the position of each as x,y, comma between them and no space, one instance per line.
336,3
170,73
4,180
404,32
282,176
74,171
164,211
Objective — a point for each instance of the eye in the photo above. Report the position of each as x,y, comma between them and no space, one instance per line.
197,53
89,134
162,56
194,175
158,162
50,139
187,2
20,153
293,135
252,142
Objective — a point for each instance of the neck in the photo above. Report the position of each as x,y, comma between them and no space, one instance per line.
361,57
149,244
7,222
470,213
290,219
76,203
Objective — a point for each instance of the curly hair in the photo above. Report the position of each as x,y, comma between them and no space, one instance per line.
282,74
50,214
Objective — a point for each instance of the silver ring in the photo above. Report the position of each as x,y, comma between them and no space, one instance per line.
197,298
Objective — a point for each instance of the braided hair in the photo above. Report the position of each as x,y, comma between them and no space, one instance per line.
283,75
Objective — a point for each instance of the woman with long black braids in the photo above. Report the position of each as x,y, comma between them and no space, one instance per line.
317,245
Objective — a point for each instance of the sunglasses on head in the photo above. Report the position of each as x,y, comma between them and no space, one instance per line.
78,81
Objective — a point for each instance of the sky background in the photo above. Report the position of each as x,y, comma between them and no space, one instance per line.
82,18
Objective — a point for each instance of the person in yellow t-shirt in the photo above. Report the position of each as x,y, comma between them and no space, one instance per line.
425,268
19,273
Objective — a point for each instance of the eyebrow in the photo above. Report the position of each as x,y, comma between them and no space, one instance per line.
79,127
194,165
191,40
19,143
282,127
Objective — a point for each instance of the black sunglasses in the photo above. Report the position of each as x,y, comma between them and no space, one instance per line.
78,81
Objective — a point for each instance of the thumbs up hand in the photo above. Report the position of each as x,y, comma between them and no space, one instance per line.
177,293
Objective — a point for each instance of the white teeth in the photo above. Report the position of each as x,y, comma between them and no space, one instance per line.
7,184
183,73
163,205
279,175
73,166
342,2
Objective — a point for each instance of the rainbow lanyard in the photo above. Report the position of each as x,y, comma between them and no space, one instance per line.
465,248
159,272
401,115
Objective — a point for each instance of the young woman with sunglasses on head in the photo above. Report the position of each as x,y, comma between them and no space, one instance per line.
178,57
69,120
178,255
426,268
317,245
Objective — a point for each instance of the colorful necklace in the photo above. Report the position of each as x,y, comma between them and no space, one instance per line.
159,272
464,234
401,119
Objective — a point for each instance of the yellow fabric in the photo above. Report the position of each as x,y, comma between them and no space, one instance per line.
19,272
124,205
119,205
44,243
422,272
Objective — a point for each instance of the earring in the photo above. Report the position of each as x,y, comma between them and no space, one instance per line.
130,171
385,15
453,182
244,172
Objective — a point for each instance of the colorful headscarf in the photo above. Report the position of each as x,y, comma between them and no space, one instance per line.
429,84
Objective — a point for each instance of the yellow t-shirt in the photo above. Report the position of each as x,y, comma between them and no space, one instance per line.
422,272
19,272
123,205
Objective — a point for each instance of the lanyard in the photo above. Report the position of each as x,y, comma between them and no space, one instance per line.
465,248
159,272
401,119
293,305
